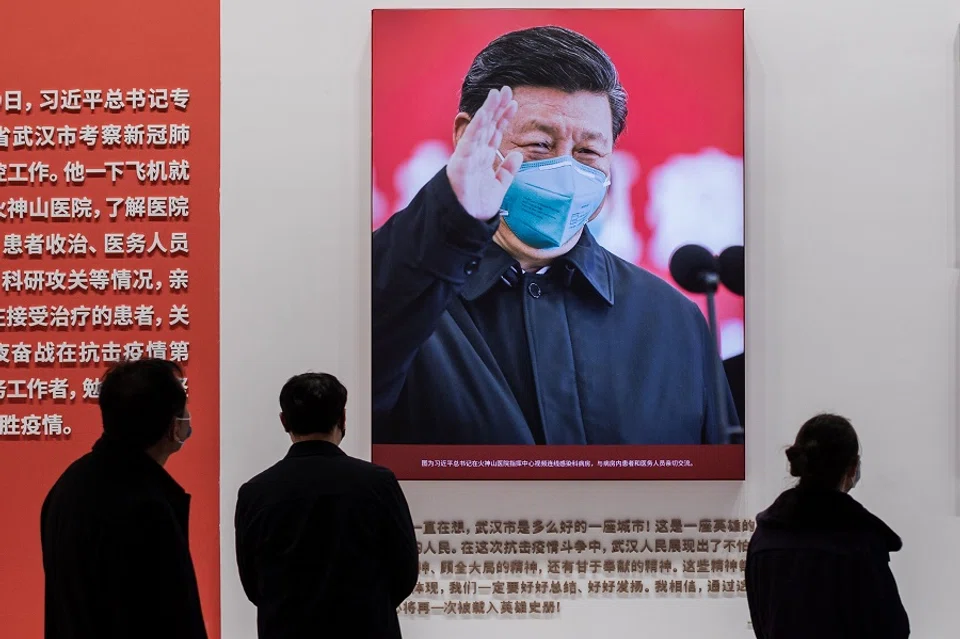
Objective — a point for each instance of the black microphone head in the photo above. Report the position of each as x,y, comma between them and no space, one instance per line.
731,269
694,269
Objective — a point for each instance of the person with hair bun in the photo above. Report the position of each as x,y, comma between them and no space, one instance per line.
818,565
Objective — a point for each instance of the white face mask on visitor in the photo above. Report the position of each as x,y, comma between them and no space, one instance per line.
849,483
183,429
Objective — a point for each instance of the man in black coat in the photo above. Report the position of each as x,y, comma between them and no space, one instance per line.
114,528
325,542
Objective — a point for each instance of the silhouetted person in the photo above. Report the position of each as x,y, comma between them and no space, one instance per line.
818,565
325,542
114,528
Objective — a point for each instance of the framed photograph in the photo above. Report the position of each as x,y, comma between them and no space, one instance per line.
558,244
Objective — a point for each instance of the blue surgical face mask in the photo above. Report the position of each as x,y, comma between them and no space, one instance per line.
550,200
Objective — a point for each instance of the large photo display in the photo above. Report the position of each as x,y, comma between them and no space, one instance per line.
558,261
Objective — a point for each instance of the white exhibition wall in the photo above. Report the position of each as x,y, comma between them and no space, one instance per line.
851,165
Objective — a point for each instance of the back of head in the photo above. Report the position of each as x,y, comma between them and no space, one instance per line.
139,401
825,451
313,404
544,57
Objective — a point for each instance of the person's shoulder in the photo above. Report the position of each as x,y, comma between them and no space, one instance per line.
378,486
266,475
266,478
873,531
74,481
81,475
366,476
83,466
345,467
631,279
374,472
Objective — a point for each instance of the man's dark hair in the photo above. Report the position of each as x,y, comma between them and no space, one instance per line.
312,403
824,452
549,58
140,399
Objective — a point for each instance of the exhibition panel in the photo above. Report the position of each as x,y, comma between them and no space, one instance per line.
110,217
582,328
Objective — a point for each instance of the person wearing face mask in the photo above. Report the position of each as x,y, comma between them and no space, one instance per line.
497,317
325,542
114,529
818,564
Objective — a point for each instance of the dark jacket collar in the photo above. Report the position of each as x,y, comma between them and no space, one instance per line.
587,258
139,464
821,510
315,448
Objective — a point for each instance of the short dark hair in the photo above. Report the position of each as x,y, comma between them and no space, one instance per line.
312,403
547,57
139,399
825,450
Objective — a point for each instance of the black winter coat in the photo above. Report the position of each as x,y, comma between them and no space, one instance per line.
116,558
818,567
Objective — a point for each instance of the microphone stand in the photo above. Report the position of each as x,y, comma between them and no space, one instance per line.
731,434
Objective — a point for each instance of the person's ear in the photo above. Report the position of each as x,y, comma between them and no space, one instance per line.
459,126
283,422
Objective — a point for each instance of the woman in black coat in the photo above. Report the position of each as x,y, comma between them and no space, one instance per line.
818,565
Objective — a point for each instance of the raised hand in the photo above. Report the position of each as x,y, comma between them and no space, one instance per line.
478,179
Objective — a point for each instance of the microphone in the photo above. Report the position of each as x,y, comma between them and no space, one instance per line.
731,269
696,270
